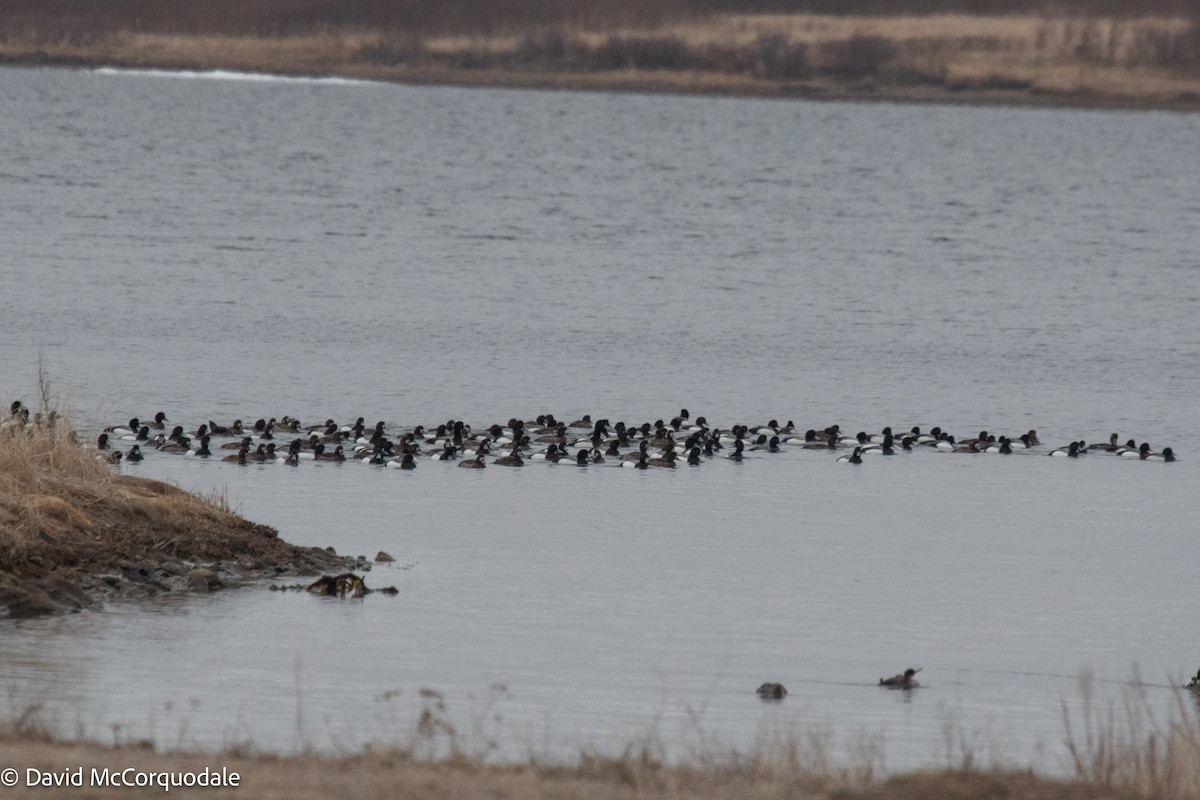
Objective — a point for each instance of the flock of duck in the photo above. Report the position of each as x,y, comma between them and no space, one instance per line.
682,440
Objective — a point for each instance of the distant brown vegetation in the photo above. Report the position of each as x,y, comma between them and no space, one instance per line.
290,17
1095,52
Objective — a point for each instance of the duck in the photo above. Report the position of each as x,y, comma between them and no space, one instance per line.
984,438
116,430
823,441
639,463
693,458
473,463
882,448
1004,447
202,451
407,461
642,451
1194,683
220,430
902,681
1129,445
102,442
338,454
262,454
666,460
1143,452
444,453
1070,451
316,452
1111,446
292,459
771,691
240,458
551,454
1167,454
763,443
180,445
853,458
134,454
513,459
142,434
738,448
159,423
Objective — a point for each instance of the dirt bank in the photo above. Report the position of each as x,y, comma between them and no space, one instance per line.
74,532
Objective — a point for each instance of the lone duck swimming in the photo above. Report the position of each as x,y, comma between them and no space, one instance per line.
902,681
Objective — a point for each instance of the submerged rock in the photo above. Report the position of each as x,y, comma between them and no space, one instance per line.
203,580
345,585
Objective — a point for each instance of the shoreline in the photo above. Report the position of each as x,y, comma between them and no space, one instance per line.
651,83
1039,61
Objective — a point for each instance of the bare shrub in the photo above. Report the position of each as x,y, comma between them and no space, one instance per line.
858,57
781,58
394,47
1176,50
642,52
552,48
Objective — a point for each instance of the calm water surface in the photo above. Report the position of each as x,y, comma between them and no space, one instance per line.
222,247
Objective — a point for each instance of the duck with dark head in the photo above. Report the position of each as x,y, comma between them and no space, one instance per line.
902,681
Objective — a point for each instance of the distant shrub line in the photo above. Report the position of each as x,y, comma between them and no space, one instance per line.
291,17
775,56
652,35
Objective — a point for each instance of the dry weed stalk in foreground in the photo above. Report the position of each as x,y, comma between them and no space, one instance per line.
1127,748
1139,760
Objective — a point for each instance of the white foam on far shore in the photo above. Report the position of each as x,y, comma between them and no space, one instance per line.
231,75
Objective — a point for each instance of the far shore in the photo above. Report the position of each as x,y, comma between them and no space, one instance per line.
1147,63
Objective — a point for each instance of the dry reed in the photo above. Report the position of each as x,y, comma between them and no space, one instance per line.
1118,753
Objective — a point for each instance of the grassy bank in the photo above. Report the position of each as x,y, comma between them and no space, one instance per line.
1117,753
1146,61
73,529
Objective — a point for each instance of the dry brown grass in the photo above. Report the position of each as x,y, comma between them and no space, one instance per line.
63,506
71,525
1115,763
1128,746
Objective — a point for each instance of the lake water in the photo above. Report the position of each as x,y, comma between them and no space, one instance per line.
221,246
